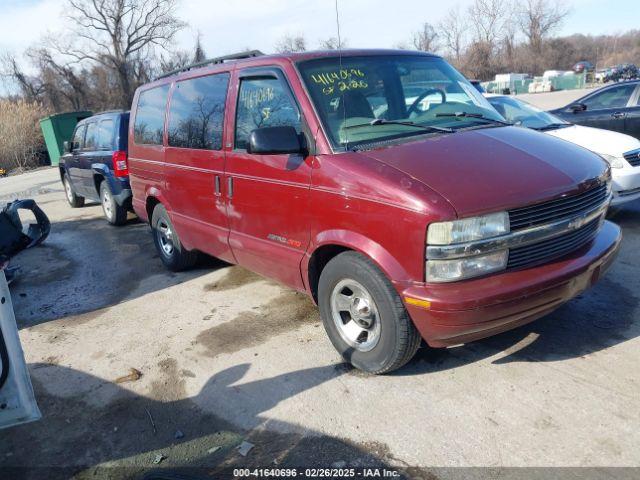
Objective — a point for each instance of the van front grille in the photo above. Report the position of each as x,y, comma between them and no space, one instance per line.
547,250
548,212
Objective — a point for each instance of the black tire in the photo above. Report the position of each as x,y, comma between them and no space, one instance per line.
398,338
75,201
177,258
114,213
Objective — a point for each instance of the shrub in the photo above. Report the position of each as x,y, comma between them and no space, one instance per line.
21,140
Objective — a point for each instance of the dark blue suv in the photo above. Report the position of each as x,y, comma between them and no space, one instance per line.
95,165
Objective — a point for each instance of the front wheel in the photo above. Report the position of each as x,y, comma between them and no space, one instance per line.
364,316
172,253
114,213
75,201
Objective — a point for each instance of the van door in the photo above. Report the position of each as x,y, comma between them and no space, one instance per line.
267,195
17,401
194,167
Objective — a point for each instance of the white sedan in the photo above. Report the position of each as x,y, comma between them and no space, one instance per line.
621,151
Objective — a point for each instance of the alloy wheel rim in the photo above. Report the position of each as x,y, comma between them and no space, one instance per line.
165,236
67,189
106,204
355,315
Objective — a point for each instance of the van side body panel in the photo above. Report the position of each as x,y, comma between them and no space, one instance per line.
268,206
367,206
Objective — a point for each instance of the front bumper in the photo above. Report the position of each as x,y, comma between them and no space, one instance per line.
625,184
464,311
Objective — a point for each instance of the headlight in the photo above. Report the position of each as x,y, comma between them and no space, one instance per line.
468,229
615,162
439,271
461,231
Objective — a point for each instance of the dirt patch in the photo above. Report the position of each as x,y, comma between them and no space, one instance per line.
211,315
42,265
58,337
286,312
171,385
236,277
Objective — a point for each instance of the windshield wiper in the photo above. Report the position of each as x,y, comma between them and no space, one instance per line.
381,121
478,116
553,126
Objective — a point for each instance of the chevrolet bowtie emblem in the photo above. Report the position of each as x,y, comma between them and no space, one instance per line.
575,224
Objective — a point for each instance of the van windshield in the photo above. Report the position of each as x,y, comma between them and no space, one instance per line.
368,99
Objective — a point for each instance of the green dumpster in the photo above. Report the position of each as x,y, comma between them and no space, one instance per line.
57,129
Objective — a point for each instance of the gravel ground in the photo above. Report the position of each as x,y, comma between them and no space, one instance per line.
225,356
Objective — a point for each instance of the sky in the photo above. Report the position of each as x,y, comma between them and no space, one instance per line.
229,26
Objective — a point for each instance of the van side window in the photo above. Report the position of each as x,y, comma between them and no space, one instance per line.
105,134
196,113
263,102
91,137
149,123
78,138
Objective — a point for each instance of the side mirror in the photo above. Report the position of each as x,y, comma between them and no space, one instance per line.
577,107
66,147
275,140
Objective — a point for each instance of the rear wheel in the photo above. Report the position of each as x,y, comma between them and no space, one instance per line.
364,316
114,213
76,201
172,253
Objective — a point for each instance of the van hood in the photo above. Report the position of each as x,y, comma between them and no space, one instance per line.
597,139
493,169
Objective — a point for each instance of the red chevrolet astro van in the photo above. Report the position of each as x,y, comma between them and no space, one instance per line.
381,183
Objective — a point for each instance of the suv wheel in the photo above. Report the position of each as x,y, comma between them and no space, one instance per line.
114,213
364,316
172,253
74,200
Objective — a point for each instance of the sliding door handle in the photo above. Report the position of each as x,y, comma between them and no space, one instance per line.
217,186
230,187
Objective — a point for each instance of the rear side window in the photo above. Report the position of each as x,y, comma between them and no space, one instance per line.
105,134
149,122
78,137
196,114
615,97
91,138
263,102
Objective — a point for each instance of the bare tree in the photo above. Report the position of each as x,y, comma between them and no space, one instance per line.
332,43
452,30
199,54
59,81
118,34
30,87
173,61
487,17
291,44
508,37
538,18
426,39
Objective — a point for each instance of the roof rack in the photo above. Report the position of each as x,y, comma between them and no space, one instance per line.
213,61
